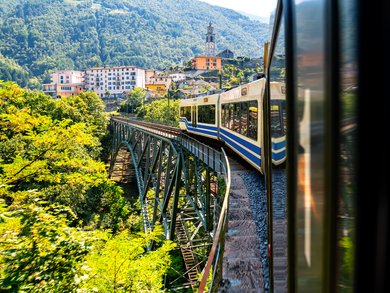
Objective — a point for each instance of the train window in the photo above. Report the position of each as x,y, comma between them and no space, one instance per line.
244,119
309,170
223,109
276,119
236,117
346,211
252,119
275,169
206,114
186,112
230,115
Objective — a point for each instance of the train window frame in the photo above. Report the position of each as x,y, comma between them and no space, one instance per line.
186,113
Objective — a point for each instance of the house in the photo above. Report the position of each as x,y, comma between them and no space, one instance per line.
225,54
64,83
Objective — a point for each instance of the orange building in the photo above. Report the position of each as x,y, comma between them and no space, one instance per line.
157,88
65,90
206,63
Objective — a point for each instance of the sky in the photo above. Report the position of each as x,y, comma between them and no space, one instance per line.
257,7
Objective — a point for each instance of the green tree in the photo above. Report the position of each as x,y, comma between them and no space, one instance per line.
134,100
56,203
39,251
123,263
161,111
57,157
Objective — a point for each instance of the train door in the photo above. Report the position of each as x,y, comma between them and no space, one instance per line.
194,116
275,154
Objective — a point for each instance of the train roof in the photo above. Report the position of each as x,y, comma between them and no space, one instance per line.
211,99
248,90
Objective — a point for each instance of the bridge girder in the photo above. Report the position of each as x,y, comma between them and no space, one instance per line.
177,188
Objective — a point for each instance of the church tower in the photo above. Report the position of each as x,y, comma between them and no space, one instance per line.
210,42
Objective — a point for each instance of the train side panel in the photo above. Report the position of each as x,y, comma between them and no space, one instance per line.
241,121
204,116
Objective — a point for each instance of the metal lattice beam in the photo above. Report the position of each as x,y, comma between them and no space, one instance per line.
174,178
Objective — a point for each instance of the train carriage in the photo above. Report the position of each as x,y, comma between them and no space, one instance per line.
200,116
235,117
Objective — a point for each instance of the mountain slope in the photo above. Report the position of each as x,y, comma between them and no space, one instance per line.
43,35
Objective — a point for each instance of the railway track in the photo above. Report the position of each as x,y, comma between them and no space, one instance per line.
165,130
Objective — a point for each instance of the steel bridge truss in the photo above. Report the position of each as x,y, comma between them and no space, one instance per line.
180,186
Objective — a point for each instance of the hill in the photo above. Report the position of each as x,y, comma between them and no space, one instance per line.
37,36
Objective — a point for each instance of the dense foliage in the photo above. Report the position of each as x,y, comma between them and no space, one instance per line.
43,35
59,213
163,111
134,100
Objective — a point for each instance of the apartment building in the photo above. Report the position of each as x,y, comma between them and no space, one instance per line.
65,83
113,82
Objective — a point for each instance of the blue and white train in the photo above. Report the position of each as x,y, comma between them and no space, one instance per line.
235,117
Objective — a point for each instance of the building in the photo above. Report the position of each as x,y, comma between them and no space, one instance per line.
67,76
206,63
209,61
177,76
226,54
158,84
210,42
113,82
157,89
149,73
64,83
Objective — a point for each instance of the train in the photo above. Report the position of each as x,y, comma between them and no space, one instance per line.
235,117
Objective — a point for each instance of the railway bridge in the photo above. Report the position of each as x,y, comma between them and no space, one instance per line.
186,186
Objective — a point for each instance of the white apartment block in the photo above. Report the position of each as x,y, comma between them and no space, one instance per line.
114,81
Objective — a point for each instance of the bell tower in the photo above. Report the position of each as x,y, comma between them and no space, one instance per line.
210,42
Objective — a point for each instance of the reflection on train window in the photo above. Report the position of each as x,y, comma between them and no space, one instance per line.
241,118
277,128
186,112
206,114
